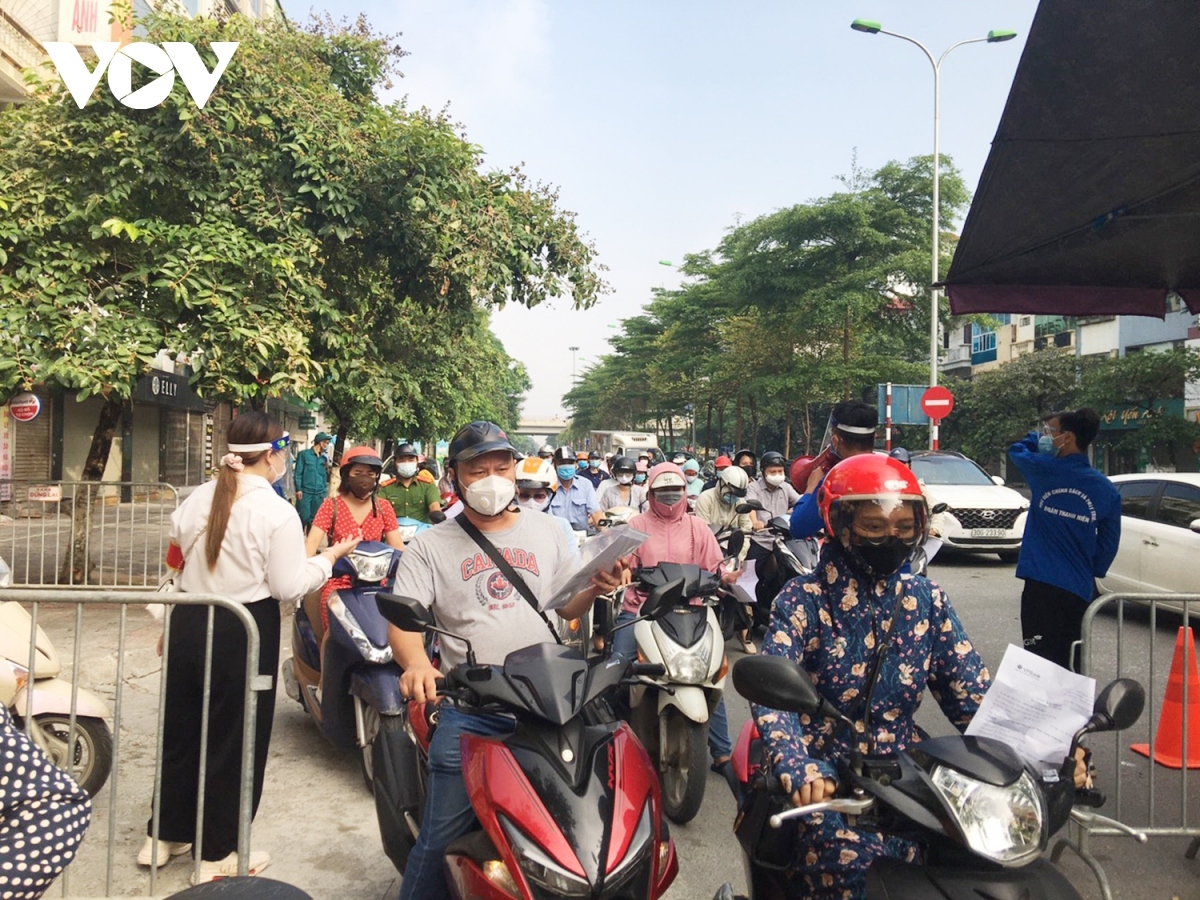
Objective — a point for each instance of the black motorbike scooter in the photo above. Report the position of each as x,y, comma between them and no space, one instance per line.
945,793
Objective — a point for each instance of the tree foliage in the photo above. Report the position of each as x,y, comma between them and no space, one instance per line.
294,236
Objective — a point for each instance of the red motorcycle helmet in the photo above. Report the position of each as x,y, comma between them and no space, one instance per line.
870,478
363,456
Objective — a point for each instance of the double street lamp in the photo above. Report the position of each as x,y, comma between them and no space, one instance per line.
993,37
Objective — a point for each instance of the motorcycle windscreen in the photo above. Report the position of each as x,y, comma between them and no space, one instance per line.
549,679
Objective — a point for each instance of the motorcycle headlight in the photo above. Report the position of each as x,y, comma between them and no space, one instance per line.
637,854
1003,824
371,567
685,665
362,643
540,869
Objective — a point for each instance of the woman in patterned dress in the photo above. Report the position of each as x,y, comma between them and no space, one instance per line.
355,511
837,622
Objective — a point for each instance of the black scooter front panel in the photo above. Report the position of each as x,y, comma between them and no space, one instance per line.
891,879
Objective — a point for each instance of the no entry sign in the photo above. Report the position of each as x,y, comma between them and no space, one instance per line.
937,402
25,407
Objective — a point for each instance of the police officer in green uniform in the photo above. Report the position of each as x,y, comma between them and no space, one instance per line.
312,479
410,496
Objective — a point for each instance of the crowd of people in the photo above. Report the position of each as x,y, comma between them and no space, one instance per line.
244,542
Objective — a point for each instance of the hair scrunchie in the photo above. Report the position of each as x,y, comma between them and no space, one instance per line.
233,461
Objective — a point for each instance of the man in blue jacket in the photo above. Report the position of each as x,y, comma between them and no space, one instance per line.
1071,534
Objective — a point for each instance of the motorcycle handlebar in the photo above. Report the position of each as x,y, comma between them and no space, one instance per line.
650,670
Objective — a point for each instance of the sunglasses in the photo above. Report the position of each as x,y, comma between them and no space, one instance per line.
536,496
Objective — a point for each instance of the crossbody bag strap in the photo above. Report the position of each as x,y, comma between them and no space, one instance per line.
505,569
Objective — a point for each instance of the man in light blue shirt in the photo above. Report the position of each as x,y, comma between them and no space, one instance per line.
575,500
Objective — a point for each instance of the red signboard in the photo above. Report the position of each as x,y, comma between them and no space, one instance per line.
937,402
25,407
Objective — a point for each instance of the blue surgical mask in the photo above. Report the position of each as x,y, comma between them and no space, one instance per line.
567,472
729,499
639,478
1046,446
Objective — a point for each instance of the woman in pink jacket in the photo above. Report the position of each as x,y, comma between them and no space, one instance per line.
675,537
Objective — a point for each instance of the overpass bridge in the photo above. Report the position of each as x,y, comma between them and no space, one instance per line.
541,430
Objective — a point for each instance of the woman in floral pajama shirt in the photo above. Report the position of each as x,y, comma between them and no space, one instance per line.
834,622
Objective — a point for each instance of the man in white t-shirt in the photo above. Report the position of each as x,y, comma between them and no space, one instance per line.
446,570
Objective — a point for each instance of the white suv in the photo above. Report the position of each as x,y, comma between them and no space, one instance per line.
982,514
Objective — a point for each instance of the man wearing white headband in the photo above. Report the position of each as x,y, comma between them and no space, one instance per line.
853,433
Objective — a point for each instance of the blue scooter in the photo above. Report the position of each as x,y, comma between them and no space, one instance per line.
343,676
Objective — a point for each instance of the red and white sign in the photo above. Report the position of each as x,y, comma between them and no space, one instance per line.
25,407
937,402
46,493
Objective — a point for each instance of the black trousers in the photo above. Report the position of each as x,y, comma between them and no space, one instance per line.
181,735
1051,620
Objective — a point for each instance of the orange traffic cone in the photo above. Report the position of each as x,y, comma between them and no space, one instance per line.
1168,744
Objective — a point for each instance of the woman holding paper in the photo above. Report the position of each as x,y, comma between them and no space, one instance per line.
873,640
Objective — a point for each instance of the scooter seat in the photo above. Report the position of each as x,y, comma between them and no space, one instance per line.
312,609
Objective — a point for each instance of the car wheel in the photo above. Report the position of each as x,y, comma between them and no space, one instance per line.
1009,556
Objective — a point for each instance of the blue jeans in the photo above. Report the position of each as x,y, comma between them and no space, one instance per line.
448,813
625,646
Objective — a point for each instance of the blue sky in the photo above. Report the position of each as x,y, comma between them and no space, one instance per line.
662,122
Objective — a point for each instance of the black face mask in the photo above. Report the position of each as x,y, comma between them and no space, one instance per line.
362,486
884,558
749,470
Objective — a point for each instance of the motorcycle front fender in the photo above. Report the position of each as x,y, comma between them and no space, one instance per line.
379,688
689,699
53,695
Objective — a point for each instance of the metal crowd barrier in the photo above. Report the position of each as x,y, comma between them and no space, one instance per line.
108,799
86,534
1122,651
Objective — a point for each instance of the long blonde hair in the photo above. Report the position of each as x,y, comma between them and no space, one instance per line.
248,428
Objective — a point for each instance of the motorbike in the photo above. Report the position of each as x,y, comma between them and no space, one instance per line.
567,804
89,759
410,528
789,557
344,676
670,713
983,816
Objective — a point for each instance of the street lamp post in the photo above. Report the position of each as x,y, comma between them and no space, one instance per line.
995,36
573,350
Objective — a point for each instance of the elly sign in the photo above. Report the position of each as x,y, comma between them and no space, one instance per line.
167,60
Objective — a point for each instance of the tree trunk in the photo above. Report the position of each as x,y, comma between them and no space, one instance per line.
75,564
737,433
787,432
807,428
671,431
754,426
708,441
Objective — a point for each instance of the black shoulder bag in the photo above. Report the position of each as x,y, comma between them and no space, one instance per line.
505,569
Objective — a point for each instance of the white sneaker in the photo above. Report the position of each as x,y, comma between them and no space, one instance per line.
166,849
214,870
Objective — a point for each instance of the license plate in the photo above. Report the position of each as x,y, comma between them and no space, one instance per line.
989,532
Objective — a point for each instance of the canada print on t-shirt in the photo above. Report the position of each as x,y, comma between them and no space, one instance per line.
492,589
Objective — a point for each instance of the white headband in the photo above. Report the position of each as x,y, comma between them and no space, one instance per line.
265,445
854,429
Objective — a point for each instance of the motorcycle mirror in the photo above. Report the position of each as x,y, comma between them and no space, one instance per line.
749,505
939,508
1195,526
737,540
779,684
781,523
1119,705
662,598
404,612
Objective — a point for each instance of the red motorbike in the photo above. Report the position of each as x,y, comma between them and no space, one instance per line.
568,805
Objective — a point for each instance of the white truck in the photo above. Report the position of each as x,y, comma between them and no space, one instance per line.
624,443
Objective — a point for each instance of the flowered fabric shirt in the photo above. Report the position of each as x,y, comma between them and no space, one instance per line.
833,624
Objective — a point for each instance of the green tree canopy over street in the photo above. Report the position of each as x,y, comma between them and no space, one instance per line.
294,236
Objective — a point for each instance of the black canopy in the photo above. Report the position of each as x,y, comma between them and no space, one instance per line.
1090,199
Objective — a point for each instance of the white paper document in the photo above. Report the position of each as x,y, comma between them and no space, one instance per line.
747,581
1035,707
598,555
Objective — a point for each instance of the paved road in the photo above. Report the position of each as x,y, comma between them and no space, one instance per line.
317,820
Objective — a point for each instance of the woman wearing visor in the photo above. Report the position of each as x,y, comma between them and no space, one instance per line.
873,639
236,538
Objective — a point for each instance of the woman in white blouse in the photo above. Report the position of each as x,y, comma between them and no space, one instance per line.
234,537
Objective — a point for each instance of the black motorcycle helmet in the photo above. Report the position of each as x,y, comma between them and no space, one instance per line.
622,465
751,469
564,455
405,449
476,439
772,458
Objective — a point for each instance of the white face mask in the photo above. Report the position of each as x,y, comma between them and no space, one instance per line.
276,474
490,496
532,505
624,479
691,476
775,480
406,470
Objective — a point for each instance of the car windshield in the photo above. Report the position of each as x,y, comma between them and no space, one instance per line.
949,470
